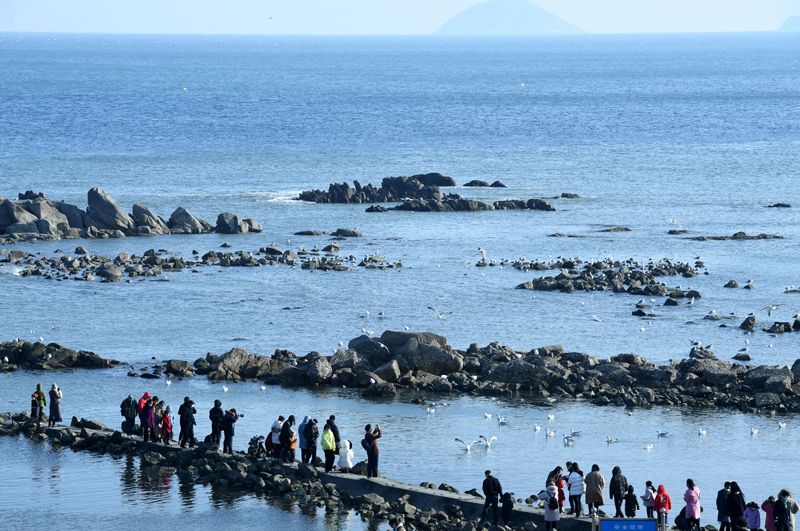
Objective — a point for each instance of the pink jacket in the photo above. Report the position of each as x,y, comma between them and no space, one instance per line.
692,499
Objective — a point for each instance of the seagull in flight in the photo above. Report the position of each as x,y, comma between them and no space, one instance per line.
487,442
770,308
467,447
438,313
781,425
753,431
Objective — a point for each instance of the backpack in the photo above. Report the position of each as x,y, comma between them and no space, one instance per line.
366,445
553,503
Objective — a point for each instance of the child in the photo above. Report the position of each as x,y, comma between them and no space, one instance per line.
631,503
663,504
769,519
292,446
346,456
166,425
508,504
649,498
753,516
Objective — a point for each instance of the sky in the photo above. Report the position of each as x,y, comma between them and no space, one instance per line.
375,17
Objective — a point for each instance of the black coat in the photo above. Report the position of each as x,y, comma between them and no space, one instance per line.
782,515
311,435
722,505
286,434
335,430
216,415
228,422
618,486
187,413
491,487
736,505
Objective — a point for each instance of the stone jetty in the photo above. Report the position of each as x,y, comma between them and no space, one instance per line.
35,217
426,507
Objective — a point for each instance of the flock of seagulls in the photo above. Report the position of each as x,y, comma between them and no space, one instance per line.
487,443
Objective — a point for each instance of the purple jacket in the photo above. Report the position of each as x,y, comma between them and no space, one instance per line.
753,518
147,417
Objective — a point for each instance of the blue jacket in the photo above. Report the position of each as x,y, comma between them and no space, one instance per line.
228,423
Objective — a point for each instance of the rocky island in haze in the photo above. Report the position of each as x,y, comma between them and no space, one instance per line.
506,17
790,24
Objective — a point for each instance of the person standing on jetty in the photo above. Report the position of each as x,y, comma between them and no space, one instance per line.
722,507
335,431
346,456
35,407
128,411
595,484
492,490
285,437
55,405
649,498
663,504
617,490
370,444
147,417
576,489
782,512
736,503
631,503
329,447
558,480
42,401
228,425
301,439
551,506
275,436
312,436
166,426
217,417
186,413
692,499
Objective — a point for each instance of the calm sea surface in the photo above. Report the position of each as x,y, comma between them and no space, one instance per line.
702,129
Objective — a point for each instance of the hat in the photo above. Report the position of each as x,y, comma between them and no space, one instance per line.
55,386
34,395
130,396
233,411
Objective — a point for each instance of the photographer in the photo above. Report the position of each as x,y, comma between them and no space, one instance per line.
228,423
370,444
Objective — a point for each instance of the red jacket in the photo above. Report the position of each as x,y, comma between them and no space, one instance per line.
372,439
167,423
663,501
142,402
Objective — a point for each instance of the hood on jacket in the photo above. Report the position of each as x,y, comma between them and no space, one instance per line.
616,470
217,403
146,395
305,420
661,490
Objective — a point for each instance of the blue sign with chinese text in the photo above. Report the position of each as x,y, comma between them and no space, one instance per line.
627,524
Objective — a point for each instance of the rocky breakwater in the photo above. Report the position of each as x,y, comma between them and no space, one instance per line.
636,278
739,236
39,356
425,186
376,500
456,203
34,217
400,361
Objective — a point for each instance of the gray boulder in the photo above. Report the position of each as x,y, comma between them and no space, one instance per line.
48,226
319,371
73,214
434,360
348,233
344,359
395,339
109,270
144,217
182,222
389,371
229,223
757,378
11,214
105,210
179,368
613,374
239,361
22,228
42,209
370,349
380,389
517,371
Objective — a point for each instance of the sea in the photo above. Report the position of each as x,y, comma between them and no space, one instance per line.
699,132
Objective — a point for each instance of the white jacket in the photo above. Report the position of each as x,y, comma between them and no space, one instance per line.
276,435
550,515
346,455
576,485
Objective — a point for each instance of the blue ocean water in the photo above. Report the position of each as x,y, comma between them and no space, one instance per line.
702,129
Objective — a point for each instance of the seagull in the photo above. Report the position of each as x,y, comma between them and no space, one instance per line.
610,440
48,356
406,327
5,359
467,447
488,415
487,442
536,427
781,425
502,421
431,410
574,433
483,254
649,447
675,222
224,388
263,387
169,382
438,313
702,432
372,380
595,318
662,433
550,417
745,349
551,433
753,431
770,308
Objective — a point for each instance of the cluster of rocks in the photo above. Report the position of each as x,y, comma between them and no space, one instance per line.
780,205
483,184
741,236
34,216
456,203
636,278
425,186
88,267
38,356
306,483
779,327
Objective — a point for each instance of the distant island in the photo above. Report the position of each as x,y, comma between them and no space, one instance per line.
506,17
790,24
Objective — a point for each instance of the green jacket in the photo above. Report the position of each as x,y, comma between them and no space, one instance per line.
42,399
328,441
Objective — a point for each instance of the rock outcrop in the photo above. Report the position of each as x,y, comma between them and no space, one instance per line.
740,236
34,217
51,356
392,189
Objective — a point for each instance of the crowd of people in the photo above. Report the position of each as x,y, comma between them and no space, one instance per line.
733,511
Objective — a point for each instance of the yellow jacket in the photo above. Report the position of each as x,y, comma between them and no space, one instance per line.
328,441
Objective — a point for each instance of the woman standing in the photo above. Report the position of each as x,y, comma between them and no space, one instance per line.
595,483
736,503
692,499
346,456
329,447
557,477
551,510
276,437
284,437
576,489
55,405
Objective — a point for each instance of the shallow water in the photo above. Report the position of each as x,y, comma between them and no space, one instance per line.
697,128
